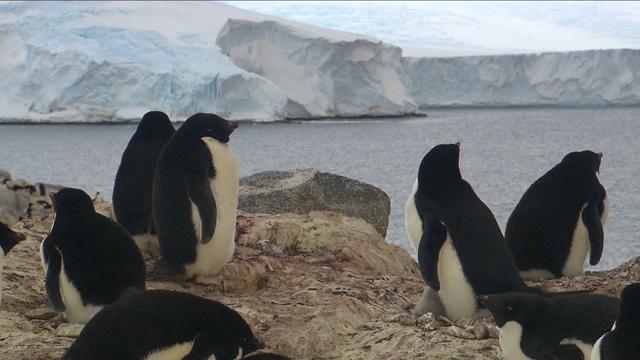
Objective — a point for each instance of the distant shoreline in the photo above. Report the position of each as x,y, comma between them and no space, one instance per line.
423,113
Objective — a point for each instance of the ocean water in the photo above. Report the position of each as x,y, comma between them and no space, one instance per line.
502,152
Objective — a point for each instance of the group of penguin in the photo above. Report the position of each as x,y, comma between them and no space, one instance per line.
472,271
175,193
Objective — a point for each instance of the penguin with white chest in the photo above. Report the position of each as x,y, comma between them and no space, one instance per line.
8,239
559,326
164,325
621,343
134,179
195,199
461,250
559,220
89,260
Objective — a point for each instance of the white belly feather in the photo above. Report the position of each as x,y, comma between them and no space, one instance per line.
412,221
212,256
510,336
456,293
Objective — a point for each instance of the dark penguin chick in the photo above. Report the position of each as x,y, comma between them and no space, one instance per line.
133,184
461,249
89,260
621,343
195,199
162,324
556,326
559,220
8,239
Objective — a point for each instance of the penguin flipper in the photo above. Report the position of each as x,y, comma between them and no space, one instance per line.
52,283
434,234
200,194
591,220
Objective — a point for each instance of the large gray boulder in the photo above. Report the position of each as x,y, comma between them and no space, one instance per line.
303,191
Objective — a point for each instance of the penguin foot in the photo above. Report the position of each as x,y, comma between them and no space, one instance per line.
206,279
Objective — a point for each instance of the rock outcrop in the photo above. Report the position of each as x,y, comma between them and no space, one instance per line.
302,191
316,286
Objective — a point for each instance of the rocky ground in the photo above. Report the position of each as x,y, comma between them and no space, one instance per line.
315,286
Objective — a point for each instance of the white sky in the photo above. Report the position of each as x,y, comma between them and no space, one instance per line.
508,26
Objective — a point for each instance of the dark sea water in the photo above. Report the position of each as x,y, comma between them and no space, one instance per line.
503,152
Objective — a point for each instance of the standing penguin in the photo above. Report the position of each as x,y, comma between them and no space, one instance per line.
621,343
89,260
163,324
8,239
461,250
134,179
558,326
559,220
195,199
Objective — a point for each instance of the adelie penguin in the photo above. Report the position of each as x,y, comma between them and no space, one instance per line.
195,199
621,343
8,239
162,324
461,250
89,260
133,184
558,326
559,220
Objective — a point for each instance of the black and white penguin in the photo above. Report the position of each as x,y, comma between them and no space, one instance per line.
89,260
163,324
557,326
133,184
559,220
621,343
8,239
461,250
195,198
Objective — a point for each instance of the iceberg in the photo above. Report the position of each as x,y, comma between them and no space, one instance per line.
321,76
577,78
114,61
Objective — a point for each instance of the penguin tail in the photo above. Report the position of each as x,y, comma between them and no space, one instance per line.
163,270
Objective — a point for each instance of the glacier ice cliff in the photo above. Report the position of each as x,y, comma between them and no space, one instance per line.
579,78
320,76
114,61
60,64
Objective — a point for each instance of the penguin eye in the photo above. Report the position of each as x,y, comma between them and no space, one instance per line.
509,308
209,130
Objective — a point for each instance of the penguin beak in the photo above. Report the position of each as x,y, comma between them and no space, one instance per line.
21,236
233,125
482,299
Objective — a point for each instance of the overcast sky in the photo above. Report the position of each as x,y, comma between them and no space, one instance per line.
520,25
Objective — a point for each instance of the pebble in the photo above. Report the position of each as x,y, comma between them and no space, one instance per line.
460,333
68,330
480,330
41,314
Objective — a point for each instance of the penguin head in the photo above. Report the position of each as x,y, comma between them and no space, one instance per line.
630,306
441,163
9,238
523,308
155,123
72,201
248,341
583,159
210,125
